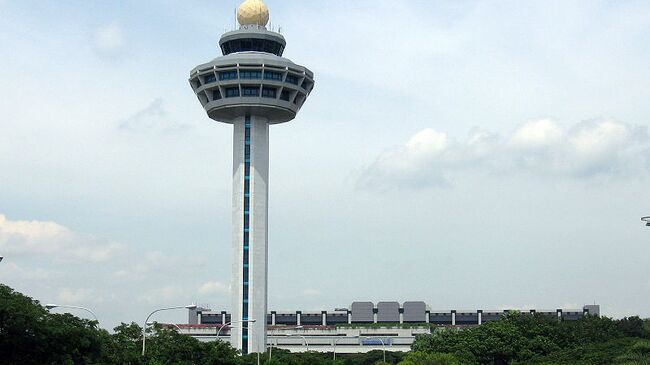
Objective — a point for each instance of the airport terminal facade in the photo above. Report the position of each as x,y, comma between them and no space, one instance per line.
361,327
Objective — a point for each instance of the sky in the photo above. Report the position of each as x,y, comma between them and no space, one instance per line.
470,154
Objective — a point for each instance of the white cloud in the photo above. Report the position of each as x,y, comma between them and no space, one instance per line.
109,39
310,292
152,118
166,294
586,149
426,159
75,296
11,269
540,147
214,287
537,134
504,307
38,238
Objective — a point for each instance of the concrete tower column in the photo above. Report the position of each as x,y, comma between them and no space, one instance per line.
250,231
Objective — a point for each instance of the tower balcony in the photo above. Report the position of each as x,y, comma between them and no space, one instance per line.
252,83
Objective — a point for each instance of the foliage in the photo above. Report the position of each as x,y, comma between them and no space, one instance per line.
637,354
424,358
535,338
633,327
284,357
31,335
590,354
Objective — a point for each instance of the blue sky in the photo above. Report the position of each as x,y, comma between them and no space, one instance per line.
474,155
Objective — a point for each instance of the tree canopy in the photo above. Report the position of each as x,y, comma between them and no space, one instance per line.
536,338
31,335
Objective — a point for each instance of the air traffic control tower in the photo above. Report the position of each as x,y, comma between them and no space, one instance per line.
251,87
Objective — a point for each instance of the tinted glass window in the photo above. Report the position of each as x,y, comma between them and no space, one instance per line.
252,44
250,74
251,91
228,75
232,92
270,75
292,79
268,92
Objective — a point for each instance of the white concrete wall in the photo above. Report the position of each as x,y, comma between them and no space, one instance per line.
348,340
258,236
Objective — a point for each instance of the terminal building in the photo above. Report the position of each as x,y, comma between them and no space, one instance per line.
362,327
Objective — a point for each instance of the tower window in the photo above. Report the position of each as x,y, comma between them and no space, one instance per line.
228,75
292,79
306,84
270,75
251,91
232,92
216,95
285,95
269,92
252,44
250,75
210,78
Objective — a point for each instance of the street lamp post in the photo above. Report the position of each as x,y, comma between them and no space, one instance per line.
336,340
383,345
144,328
276,341
173,324
303,338
229,323
271,349
52,306
646,220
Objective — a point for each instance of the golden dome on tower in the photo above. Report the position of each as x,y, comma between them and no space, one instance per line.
253,12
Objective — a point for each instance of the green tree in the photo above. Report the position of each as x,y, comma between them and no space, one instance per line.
633,327
166,346
29,334
124,346
525,337
423,358
638,354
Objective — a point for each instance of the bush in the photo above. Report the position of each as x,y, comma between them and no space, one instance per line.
423,358
531,337
638,354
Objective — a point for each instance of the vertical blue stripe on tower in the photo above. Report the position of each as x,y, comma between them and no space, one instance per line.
247,190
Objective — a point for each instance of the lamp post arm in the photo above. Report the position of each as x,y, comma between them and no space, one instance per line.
383,346
144,328
231,322
222,327
78,307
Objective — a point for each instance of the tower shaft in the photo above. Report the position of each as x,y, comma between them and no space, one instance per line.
251,87
250,232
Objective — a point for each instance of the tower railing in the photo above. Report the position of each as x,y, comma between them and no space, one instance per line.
270,28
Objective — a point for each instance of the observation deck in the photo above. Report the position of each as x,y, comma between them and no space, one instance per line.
252,77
